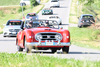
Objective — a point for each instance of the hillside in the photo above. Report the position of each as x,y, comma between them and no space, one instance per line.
9,2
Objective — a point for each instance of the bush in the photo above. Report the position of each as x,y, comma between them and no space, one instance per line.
1,14
20,9
33,3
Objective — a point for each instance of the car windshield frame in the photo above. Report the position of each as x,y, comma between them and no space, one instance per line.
14,22
41,23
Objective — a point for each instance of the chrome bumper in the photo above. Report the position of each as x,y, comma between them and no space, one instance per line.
44,44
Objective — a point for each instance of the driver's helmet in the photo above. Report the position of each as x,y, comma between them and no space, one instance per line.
47,22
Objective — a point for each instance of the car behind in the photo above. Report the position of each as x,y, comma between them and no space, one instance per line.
12,27
54,3
85,20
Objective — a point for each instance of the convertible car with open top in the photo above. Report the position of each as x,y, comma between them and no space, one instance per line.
42,37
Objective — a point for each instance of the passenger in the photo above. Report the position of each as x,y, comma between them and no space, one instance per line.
30,24
10,24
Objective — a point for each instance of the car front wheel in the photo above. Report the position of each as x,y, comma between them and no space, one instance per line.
65,49
80,26
19,48
26,48
54,50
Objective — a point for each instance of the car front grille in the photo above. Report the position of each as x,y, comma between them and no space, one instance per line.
48,36
14,30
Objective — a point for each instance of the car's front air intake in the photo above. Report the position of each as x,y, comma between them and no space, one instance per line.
47,36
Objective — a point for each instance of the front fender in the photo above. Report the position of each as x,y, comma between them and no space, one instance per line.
65,36
29,36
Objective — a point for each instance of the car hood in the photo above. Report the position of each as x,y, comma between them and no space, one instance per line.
12,27
39,30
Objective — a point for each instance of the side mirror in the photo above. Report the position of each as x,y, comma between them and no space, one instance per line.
22,25
77,17
4,24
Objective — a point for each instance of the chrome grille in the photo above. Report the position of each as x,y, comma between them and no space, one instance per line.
48,36
14,30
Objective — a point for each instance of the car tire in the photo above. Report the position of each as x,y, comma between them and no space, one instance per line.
26,48
19,48
4,36
54,50
65,49
60,23
80,26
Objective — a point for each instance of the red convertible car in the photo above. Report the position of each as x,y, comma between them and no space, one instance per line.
43,37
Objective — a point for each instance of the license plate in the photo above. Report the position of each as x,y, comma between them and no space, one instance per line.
14,33
49,43
87,21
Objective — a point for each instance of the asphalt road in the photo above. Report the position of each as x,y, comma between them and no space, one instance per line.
7,44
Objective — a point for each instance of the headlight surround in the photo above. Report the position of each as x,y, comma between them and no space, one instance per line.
58,37
6,29
39,37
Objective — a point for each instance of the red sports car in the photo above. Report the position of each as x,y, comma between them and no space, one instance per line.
42,35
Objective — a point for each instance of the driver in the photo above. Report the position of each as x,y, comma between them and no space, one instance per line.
30,24
46,24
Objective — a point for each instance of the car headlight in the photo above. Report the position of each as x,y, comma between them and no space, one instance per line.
38,37
6,29
43,11
58,37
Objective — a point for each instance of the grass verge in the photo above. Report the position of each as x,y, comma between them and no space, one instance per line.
16,15
85,37
24,60
9,2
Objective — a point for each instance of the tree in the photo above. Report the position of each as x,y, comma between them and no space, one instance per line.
33,3
87,2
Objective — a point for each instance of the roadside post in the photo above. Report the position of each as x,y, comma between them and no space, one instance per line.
22,9
77,8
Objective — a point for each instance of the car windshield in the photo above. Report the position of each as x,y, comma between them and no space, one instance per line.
87,17
54,1
31,15
14,23
42,23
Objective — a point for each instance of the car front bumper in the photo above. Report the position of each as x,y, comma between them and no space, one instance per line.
43,44
10,33
47,13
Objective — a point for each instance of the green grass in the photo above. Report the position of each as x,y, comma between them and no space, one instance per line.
85,37
8,16
9,2
35,60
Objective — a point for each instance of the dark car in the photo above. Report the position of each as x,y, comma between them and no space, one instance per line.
47,11
85,20
33,16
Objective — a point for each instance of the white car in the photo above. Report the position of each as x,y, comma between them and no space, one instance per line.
54,3
12,27
27,2
56,18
